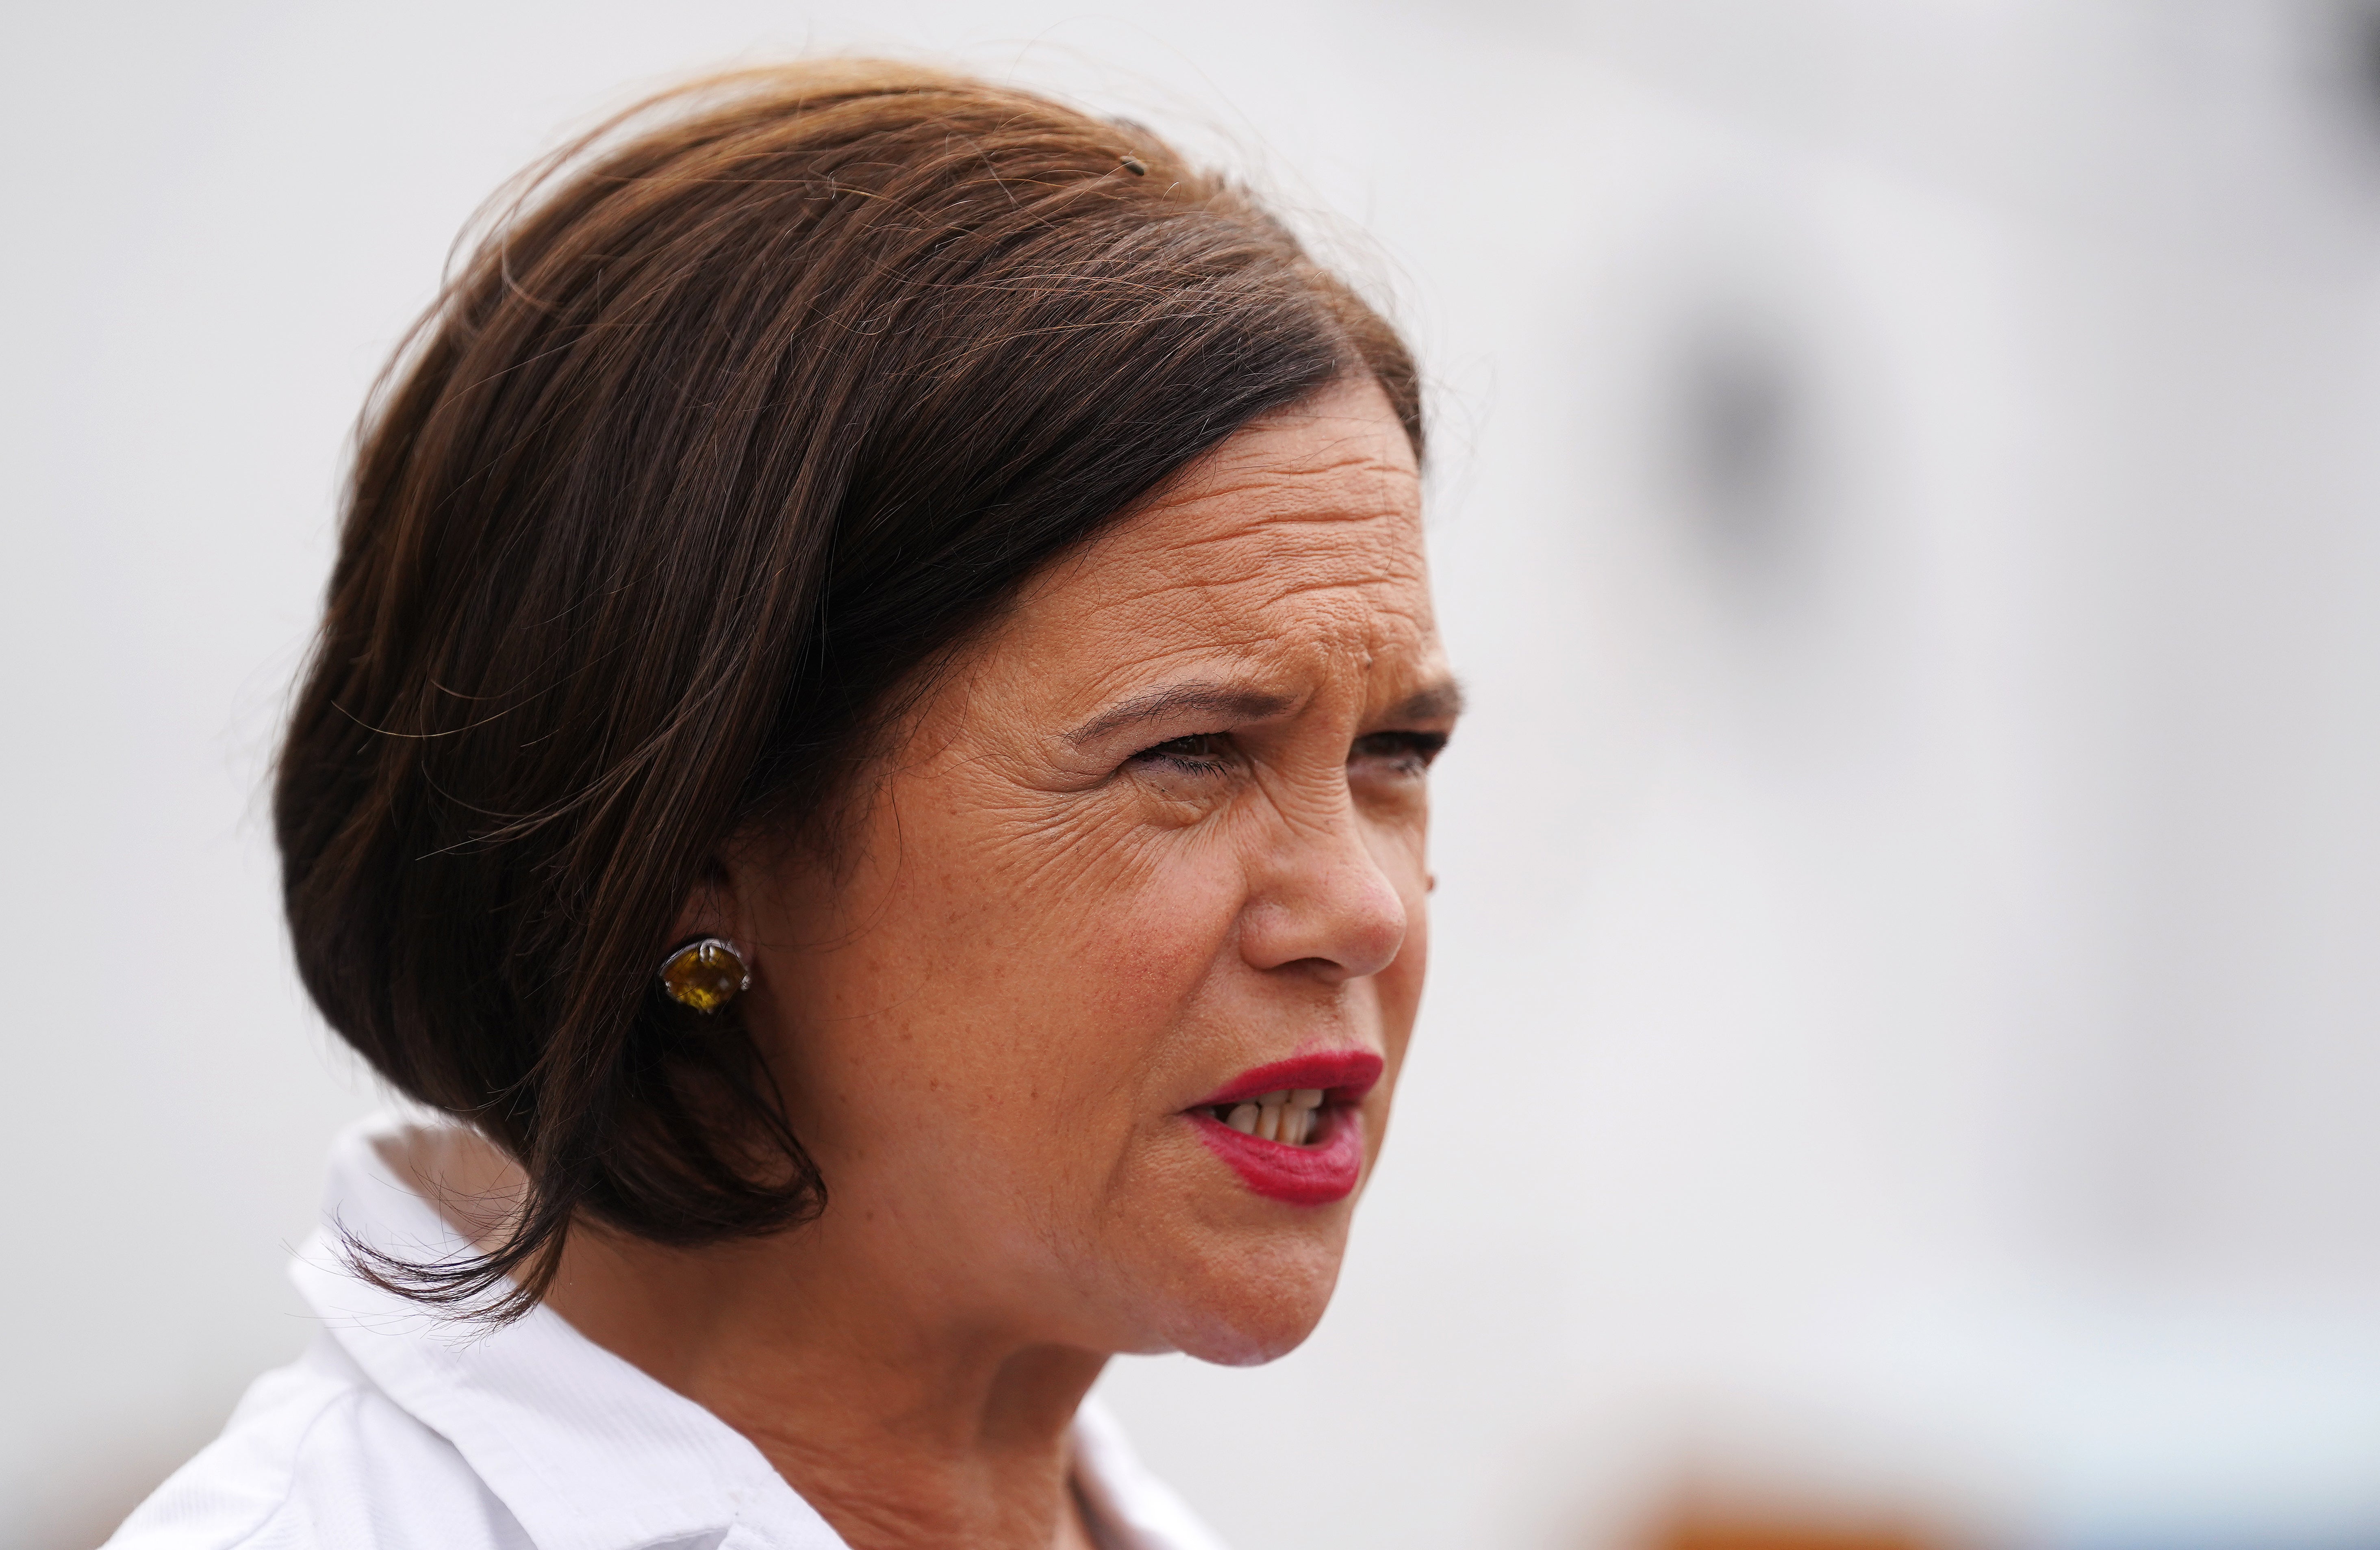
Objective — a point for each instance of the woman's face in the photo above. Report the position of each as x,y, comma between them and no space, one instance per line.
1151,854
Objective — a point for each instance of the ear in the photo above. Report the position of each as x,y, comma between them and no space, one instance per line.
712,906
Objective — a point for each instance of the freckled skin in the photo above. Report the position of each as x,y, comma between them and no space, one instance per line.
1043,941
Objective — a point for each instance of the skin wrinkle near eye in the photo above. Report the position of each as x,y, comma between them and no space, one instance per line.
1394,734
1203,708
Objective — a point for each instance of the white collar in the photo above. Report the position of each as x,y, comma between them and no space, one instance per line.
587,1451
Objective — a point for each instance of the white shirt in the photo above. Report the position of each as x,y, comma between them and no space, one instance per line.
397,1431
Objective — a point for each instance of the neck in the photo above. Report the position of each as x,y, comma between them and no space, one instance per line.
900,1423
866,1383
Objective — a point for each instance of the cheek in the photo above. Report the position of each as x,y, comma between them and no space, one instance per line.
1019,999
1141,943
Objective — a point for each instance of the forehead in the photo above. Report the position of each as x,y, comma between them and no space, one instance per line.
1302,530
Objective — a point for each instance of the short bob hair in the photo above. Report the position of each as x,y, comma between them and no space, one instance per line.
746,409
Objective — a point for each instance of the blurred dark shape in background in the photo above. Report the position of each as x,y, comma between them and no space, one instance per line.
1737,416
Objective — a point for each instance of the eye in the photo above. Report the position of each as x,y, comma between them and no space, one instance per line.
1397,752
1199,754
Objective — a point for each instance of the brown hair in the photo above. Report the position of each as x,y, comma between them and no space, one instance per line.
746,408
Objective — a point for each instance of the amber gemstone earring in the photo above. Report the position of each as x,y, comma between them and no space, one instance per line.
705,974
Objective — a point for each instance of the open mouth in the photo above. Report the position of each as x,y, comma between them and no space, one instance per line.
1293,1131
1291,1116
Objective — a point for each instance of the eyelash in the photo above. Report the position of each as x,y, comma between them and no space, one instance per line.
1171,752
1414,750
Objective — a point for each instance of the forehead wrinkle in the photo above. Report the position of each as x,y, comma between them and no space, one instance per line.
1213,597
1298,570
1387,561
1262,588
1352,484
1235,656
1271,550
1225,656
1283,673
1323,616
1262,651
1312,514
1359,483
1276,545
1335,599
1277,438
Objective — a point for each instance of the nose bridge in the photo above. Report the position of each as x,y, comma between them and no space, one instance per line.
1322,894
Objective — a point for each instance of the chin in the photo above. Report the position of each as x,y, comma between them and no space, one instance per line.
1246,1311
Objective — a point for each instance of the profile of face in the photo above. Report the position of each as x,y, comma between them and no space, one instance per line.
1092,1018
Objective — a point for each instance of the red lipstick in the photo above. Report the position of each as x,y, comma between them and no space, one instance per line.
1327,1167
1345,1074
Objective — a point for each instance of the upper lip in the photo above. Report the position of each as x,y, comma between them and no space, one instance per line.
1344,1074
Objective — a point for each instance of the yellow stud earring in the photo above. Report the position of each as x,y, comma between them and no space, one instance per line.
705,974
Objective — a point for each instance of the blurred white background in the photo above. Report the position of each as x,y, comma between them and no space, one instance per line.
1905,1044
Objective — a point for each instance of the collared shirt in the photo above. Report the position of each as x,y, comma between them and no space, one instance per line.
398,1432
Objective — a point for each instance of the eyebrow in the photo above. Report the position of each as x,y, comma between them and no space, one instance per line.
1226,701
1440,701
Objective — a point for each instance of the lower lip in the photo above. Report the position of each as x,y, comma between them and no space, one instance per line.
1317,1175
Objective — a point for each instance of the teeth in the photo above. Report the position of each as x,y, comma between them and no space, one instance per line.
1290,1116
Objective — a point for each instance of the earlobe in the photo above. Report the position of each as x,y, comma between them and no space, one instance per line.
705,974
708,968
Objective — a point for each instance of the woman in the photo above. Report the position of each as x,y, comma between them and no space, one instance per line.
866,761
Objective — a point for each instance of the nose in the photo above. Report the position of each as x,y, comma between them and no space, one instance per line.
1321,901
